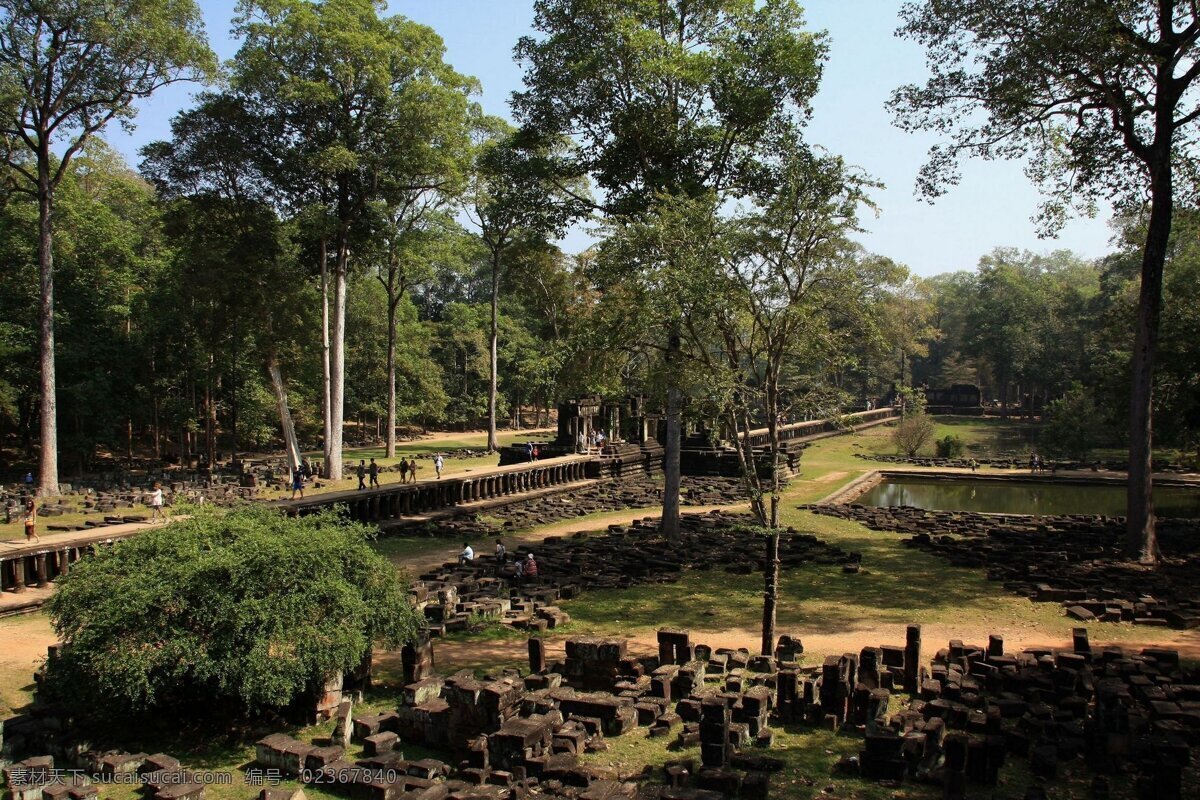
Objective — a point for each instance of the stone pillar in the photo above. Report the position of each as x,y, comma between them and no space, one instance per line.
39,568
912,658
64,562
18,570
537,655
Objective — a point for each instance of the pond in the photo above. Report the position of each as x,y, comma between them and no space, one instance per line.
1025,497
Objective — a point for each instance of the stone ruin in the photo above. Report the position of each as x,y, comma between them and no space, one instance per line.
1021,461
1075,560
635,491
622,557
954,723
958,722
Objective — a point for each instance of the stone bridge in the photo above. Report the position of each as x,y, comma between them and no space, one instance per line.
24,565
396,500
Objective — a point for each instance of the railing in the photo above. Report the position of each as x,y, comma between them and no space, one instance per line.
812,428
412,499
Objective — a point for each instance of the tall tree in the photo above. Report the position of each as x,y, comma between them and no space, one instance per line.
668,97
353,92
514,202
1102,95
66,71
238,251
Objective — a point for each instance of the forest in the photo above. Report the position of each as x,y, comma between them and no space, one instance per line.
335,243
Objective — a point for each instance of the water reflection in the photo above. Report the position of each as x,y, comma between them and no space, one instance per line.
1024,497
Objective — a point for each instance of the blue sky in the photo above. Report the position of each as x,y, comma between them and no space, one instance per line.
990,208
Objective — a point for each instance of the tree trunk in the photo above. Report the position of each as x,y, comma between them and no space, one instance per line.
770,593
1141,540
391,373
233,398
337,363
493,445
326,395
210,422
291,446
671,476
48,467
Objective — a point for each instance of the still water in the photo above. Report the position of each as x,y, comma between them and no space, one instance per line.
1025,497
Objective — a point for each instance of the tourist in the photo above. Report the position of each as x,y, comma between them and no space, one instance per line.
1033,462
31,521
361,472
501,552
373,470
156,503
582,443
536,452
974,465
298,483
438,463
530,569
412,469
467,555
403,471
28,479
519,564
529,450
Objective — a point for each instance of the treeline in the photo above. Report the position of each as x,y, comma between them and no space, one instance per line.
165,335
1032,330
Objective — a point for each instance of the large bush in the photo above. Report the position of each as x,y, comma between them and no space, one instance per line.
915,428
1072,425
248,607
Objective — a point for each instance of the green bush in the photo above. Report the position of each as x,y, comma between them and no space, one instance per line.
246,607
1072,425
950,446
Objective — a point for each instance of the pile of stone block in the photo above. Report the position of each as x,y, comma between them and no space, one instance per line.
1075,560
454,595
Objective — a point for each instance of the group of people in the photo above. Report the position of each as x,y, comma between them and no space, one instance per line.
532,451
526,568
1037,463
367,473
595,439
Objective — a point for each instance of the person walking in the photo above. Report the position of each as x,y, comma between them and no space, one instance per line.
298,483
403,471
31,521
438,463
361,473
373,471
156,503
412,469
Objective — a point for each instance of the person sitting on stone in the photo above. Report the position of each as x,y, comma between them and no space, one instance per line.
530,567
467,556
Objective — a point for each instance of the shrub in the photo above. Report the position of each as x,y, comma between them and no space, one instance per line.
247,606
949,446
1072,424
916,427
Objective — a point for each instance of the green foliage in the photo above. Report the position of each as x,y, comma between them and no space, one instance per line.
949,446
1072,424
247,606
916,427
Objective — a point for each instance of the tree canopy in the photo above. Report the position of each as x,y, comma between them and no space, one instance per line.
247,606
